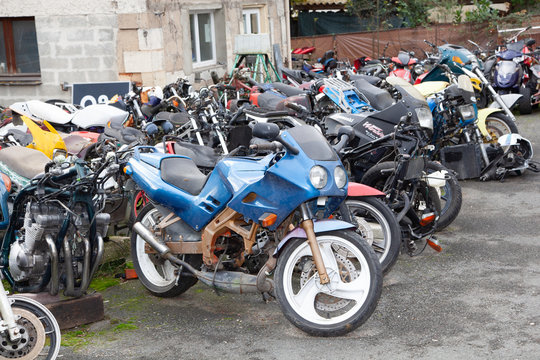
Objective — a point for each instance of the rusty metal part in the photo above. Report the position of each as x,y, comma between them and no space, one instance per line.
307,225
227,220
177,248
167,220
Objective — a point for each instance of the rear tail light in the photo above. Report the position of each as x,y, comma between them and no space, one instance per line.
427,218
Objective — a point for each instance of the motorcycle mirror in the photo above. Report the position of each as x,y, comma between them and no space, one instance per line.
530,42
346,130
266,131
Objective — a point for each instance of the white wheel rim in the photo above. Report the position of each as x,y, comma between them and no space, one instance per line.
379,228
303,301
165,276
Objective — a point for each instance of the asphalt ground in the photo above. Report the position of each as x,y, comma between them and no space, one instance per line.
477,299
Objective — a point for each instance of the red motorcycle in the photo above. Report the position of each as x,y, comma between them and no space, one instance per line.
404,66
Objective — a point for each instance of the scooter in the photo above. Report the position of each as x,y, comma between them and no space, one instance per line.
253,216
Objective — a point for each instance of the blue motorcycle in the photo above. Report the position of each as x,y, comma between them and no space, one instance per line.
256,216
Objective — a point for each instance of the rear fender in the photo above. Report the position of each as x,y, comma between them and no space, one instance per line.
509,100
319,226
482,116
359,190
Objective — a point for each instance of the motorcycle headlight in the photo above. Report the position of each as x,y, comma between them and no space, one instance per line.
467,112
318,176
340,177
419,70
424,117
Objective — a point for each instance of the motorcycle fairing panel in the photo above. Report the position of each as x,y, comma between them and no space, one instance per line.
251,187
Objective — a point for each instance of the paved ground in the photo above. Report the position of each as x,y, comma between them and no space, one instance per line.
479,298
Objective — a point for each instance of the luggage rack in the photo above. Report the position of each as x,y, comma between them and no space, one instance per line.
346,96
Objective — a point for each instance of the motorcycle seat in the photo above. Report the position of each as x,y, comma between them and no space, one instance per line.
177,119
287,89
258,112
373,80
125,135
183,173
24,161
378,98
203,156
268,100
75,143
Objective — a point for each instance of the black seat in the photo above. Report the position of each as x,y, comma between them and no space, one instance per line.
124,135
203,156
177,119
378,98
183,173
288,90
373,80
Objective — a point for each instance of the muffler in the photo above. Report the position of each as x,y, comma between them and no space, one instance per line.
226,281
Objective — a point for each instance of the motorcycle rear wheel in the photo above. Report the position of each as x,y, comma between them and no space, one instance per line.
345,303
525,105
158,275
450,197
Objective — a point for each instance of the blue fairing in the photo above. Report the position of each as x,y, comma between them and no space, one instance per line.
280,185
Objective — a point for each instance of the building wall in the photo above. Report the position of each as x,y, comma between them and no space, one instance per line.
138,40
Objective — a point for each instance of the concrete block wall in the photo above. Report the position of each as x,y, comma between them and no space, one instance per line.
74,48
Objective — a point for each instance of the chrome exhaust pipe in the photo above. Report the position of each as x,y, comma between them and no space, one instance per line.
227,281
70,281
53,254
99,255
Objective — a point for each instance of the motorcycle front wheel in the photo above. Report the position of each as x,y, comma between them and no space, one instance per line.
499,124
377,225
40,333
343,304
158,275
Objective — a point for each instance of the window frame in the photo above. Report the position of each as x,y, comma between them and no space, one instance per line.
247,12
11,57
197,63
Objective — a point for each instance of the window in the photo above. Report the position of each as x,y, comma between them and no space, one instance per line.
19,57
251,21
203,47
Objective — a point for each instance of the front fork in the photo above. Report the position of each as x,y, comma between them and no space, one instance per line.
307,225
8,321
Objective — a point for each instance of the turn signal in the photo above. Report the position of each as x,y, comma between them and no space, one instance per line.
434,244
268,219
427,218
7,182
457,59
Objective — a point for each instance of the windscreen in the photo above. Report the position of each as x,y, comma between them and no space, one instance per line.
313,143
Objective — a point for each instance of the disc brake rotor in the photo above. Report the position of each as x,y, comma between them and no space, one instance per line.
364,229
347,273
32,338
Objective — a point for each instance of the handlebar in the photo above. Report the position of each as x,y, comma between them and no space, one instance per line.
269,146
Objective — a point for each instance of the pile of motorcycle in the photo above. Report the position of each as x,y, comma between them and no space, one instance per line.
249,187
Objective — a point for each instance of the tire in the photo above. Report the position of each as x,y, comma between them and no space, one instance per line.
450,196
293,272
525,106
499,124
155,273
377,224
378,176
40,322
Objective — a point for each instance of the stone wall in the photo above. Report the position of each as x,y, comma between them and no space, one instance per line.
139,40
